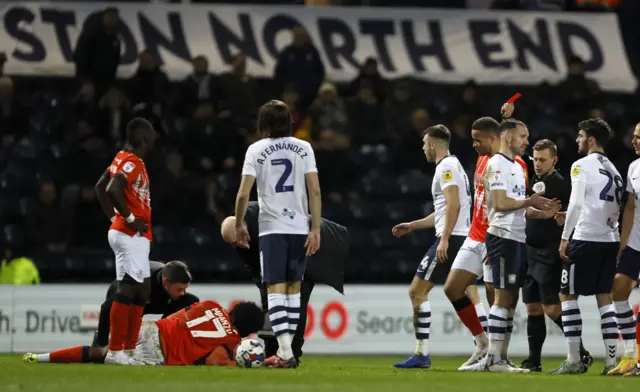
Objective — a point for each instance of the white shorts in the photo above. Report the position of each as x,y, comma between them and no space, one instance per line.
470,257
132,255
148,348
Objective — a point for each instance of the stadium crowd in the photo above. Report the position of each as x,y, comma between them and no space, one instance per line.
59,135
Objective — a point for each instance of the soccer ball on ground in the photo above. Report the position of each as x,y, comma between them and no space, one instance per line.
250,354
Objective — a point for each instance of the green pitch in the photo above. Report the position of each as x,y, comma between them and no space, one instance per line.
331,373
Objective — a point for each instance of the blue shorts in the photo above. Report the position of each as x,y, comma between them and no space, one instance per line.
282,258
629,264
591,268
432,270
508,260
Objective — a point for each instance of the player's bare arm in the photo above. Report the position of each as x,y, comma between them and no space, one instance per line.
576,200
506,204
242,201
534,213
315,206
452,200
402,229
627,222
103,196
115,190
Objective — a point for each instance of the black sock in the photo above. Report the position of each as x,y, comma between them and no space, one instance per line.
537,333
558,322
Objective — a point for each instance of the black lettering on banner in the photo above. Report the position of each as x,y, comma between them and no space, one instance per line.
153,38
13,19
226,39
434,49
5,323
484,49
128,45
570,31
328,27
45,323
272,27
61,21
523,44
379,29
33,322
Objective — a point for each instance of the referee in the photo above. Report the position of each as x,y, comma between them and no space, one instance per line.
542,283
326,266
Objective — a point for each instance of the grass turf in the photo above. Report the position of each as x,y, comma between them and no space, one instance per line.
318,373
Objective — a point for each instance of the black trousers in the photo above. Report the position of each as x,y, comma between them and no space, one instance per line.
270,341
101,337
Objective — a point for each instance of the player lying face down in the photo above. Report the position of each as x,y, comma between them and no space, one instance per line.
201,334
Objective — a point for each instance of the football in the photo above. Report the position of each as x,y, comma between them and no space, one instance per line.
250,354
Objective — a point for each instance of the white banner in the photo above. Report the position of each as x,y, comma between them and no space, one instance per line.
436,45
367,320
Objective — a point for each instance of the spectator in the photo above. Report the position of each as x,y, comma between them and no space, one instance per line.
17,268
216,206
91,219
148,88
329,120
178,195
14,117
291,97
577,91
369,73
469,103
113,114
299,64
97,55
48,222
366,119
409,154
87,158
241,91
398,110
201,96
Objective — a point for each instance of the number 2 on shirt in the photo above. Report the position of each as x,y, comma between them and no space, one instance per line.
219,331
288,167
604,193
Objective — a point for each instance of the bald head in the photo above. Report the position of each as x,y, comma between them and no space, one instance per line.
228,230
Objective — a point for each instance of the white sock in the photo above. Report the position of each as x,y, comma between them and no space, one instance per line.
507,335
572,327
292,303
497,330
44,358
609,329
482,316
280,324
422,328
627,327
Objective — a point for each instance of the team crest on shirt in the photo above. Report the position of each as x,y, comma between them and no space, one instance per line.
575,171
447,175
128,167
539,187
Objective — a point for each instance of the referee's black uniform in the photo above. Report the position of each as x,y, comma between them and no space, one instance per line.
326,267
159,302
542,283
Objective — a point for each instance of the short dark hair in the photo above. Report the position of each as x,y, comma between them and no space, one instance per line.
486,124
274,119
439,132
176,272
596,128
546,144
136,127
110,10
510,123
247,318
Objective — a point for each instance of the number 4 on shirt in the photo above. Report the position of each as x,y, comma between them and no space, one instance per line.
288,167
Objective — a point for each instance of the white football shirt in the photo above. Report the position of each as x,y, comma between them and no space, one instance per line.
503,173
449,172
633,187
598,221
279,166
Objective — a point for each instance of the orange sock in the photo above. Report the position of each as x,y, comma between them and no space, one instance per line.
135,322
119,319
70,355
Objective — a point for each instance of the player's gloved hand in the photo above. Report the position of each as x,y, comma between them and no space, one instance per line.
560,217
313,242
563,250
402,229
441,250
242,237
139,225
507,110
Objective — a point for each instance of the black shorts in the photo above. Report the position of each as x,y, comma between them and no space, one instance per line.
629,264
508,260
591,268
432,270
282,258
544,268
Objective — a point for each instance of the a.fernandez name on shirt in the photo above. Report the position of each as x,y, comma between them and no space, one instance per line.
281,146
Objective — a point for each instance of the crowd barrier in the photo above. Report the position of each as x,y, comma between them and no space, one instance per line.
368,319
